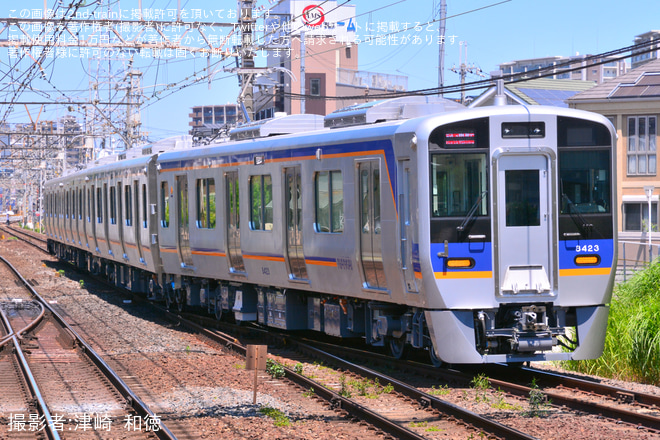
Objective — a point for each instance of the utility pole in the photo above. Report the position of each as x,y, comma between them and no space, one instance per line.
246,25
464,68
302,71
133,99
442,16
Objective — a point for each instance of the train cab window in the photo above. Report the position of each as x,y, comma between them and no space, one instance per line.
205,201
99,205
585,181
128,203
261,201
329,188
113,205
164,205
459,182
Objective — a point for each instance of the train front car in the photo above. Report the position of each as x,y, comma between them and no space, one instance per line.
522,231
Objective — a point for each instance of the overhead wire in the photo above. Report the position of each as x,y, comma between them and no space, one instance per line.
544,72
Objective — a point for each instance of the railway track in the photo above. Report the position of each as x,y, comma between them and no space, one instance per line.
407,406
559,392
637,409
620,406
56,385
34,239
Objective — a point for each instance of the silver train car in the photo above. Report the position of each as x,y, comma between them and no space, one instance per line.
481,235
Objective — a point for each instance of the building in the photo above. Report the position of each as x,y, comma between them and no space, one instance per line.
638,56
228,114
311,54
559,68
538,91
632,103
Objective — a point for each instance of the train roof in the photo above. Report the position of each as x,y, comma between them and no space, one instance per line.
407,107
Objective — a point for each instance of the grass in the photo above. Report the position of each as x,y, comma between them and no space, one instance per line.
632,342
441,390
279,418
481,385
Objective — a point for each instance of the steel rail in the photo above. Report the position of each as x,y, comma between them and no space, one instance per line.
335,400
426,400
525,376
132,399
12,231
42,408
552,379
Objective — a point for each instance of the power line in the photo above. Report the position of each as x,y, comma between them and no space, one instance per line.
544,72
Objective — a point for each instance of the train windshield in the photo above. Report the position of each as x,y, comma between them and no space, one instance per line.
585,181
459,182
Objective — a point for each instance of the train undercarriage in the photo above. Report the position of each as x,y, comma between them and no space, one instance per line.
511,330
380,324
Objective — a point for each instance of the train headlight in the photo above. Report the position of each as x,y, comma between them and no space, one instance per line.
460,263
587,260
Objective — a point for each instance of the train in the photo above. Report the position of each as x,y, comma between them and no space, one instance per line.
479,235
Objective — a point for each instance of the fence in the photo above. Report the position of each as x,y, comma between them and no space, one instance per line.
634,256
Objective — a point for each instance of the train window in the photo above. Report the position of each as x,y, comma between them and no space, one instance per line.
105,201
572,132
370,219
99,206
81,204
585,181
164,205
89,204
458,182
329,188
206,203
261,200
128,199
144,206
113,205
522,197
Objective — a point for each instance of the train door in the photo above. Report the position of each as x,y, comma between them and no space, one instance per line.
371,254
405,201
233,223
184,220
524,223
294,224
137,225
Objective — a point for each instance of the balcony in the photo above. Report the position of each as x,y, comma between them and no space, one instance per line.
372,80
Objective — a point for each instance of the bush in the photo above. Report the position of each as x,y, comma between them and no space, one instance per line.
632,343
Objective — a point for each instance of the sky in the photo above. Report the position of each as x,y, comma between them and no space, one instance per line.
493,31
